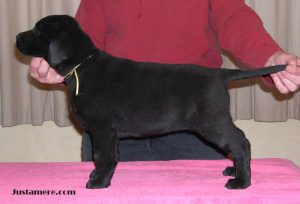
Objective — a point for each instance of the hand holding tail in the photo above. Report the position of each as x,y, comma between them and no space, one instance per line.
289,80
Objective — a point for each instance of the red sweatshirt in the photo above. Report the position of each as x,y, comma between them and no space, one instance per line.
177,31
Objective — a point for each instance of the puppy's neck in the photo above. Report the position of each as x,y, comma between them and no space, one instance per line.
72,77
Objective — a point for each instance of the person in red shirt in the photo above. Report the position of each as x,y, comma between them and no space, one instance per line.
177,31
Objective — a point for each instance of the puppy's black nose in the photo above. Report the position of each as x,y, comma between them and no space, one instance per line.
21,36
18,36
21,45
19,40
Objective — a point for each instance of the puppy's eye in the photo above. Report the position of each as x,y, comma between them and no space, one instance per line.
36,32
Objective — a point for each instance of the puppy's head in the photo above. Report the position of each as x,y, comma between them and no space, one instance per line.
58,39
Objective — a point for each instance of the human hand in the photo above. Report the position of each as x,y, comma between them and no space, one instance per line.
40,70
288,80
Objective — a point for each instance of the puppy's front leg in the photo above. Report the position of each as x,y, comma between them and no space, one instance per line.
105,157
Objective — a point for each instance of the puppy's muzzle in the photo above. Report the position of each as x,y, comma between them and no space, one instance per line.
24,42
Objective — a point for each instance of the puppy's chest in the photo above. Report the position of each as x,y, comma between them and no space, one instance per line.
87,110
78,112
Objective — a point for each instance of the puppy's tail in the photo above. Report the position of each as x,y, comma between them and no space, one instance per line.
233,74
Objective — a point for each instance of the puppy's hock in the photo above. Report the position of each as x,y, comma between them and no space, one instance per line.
113,96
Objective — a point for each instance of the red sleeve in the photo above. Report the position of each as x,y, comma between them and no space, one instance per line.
241,32
91,19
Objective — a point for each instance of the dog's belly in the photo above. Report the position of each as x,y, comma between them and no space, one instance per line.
146,125
129,134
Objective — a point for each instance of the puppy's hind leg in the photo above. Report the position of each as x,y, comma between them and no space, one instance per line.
232,140
239,148
105,156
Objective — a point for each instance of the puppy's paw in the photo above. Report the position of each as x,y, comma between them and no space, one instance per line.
93,175
96,184
237,184
229,171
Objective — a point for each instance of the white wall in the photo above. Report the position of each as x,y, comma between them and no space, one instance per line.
51,143
39,143
267,140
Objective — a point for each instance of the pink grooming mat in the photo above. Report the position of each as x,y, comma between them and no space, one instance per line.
182,181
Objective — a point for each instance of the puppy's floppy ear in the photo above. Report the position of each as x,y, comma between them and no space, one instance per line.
59,49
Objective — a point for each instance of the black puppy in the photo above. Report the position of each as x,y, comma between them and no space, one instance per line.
113,96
